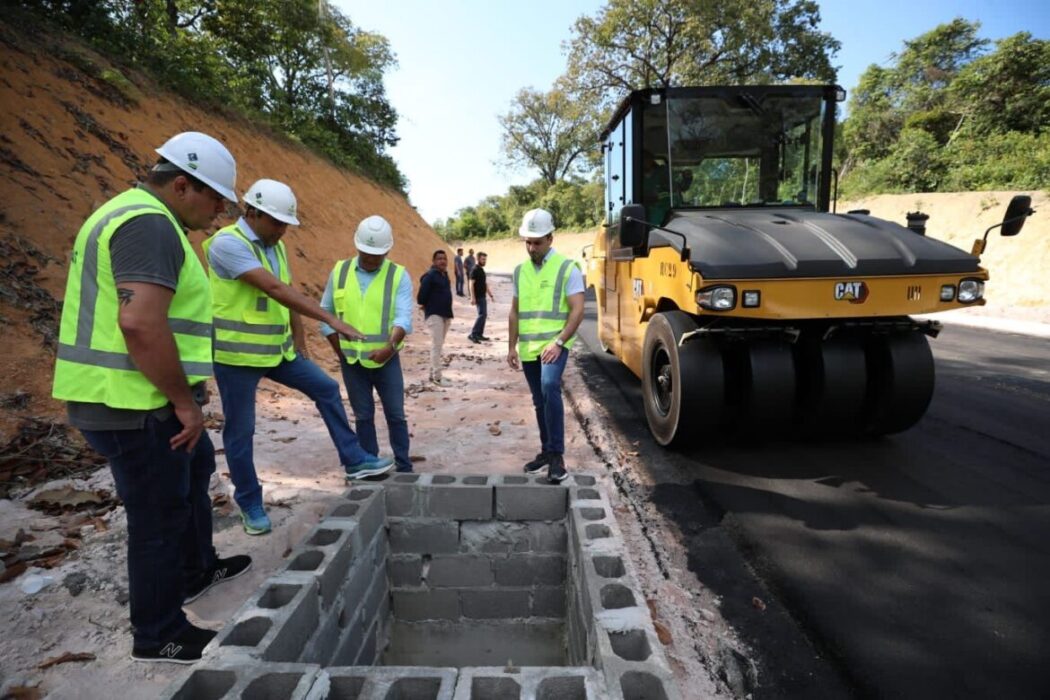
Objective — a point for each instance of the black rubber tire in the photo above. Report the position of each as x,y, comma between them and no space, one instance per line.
832,386
769,406
900,382
683,389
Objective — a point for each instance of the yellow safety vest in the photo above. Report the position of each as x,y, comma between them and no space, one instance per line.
371,313
543,306
251,329
93,364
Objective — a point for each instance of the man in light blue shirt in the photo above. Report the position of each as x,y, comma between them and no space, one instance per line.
358,291
249,267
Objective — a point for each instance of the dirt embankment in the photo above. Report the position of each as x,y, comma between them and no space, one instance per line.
72,136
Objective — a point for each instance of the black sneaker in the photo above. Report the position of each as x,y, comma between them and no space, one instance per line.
223,570
473,339
186,648
485,338
556,472
536,465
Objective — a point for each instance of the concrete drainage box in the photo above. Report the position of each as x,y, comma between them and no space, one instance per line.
446,587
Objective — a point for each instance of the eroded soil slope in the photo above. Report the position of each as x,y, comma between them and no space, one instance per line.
71,136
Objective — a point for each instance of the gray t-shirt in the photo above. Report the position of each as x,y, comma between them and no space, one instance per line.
143,249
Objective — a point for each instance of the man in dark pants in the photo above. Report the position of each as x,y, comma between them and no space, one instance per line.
458,263
435,296
135,348
478,289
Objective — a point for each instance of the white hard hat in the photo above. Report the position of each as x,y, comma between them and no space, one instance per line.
374,236
274,198
536,223
205,158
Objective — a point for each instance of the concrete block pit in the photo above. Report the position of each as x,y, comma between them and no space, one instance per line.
442,587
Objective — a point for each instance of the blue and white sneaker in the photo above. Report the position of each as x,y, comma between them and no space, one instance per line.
369,468
255,520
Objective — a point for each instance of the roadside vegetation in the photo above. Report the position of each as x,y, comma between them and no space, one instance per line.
300,67
950,112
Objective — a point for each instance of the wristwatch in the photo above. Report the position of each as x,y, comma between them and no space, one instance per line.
559,342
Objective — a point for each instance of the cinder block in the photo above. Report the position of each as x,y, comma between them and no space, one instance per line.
405,570
335,539
369,647
379,590
529,570
532,682
276,623
395,683
494,537
238,679
459,502
402,499
548,601
530,501
358,579
491,604
413,606
549,537
323,642
421,536
351,636
459,570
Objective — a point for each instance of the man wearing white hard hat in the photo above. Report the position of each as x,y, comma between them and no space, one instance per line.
259,333
134,352
375,295
546,311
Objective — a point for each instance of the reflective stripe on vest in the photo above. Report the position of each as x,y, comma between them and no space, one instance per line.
93,364
542,314
372,313
251,329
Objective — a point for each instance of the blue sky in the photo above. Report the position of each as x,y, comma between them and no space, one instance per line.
462,61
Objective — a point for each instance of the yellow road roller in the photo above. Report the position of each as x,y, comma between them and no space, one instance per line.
744,302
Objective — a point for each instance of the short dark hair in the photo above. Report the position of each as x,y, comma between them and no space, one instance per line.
438,252
480,253
164,172
459,250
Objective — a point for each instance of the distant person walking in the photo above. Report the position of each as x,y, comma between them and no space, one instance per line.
374,295
469,262
134,351
259,333
435,296
458,263
546,311
479,288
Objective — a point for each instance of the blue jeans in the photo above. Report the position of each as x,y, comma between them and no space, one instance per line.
479,322
165,495
545,385
237,387
389,383
459,283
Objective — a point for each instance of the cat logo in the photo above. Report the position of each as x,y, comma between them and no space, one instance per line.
853,292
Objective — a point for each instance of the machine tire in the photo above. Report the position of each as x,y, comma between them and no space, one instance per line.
770,396
683,388
833,382
900,382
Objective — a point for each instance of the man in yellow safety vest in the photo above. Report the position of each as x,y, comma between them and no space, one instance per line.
135,348
546,311
375,296
259,333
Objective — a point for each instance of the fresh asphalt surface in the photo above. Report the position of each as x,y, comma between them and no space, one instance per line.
912,566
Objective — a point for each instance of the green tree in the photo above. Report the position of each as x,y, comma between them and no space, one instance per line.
634,44
549,131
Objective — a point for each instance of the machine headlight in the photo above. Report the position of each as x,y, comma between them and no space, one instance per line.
947,292
970,291
717,298
751,299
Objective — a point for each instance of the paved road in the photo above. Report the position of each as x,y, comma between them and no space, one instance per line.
911,566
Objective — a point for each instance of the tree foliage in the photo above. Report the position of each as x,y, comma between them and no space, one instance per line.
634,44
549,131
951,114
299,65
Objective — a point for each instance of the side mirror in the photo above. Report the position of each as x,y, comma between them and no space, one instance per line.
1018,211
633,231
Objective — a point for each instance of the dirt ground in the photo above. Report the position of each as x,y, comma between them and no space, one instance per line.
482,424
